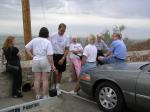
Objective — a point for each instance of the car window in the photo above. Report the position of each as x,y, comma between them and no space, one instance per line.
145,67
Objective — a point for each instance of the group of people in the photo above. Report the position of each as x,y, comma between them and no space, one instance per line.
49,53
93,54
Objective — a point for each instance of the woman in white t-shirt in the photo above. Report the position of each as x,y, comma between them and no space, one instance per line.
42,54
88,60
75,54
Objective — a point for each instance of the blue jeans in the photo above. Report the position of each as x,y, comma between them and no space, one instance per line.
109,60
87,67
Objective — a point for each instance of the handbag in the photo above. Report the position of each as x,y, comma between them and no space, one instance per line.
10,67
52,91
8,56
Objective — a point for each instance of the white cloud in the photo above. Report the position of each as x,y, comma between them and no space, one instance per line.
93,20
92,13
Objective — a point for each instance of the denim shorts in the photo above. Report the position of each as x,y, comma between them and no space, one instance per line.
109,60
88,66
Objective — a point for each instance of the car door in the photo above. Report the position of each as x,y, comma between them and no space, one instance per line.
143,88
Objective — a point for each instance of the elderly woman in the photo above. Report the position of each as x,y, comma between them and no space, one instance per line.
88,60
75,54
42,64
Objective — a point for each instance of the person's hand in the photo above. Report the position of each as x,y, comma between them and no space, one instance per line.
61,61
53,68
105,55
75,52
82,63
78,52
100,58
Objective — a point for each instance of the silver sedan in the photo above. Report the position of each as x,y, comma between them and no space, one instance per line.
116,86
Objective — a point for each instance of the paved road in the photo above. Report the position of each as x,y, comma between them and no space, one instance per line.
73,104
66,102
77,104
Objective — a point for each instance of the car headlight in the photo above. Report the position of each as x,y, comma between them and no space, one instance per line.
86,77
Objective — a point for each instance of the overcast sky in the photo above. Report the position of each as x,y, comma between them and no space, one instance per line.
81,16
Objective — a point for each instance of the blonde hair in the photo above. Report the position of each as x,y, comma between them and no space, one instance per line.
100,35
91,39
73,37
8,42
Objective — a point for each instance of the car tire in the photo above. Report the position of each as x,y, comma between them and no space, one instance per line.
109,97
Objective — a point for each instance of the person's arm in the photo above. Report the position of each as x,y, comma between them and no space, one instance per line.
28,48
109,53
50,59
61,61
19,55
77,52
71,48
66,51
80,50
85,55
29,52
15,50
84,58
50,56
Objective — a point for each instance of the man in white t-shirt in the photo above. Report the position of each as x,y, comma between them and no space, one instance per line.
60,43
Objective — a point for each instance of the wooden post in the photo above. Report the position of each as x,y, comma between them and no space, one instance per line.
26,22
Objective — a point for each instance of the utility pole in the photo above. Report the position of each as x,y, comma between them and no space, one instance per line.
26,22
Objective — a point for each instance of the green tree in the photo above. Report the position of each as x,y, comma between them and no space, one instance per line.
116,29
107,37
119,29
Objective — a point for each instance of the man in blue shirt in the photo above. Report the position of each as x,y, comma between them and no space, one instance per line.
117,52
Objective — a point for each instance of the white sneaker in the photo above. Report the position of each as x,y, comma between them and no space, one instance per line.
45,97
73,92
57,85
58,92
38,97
